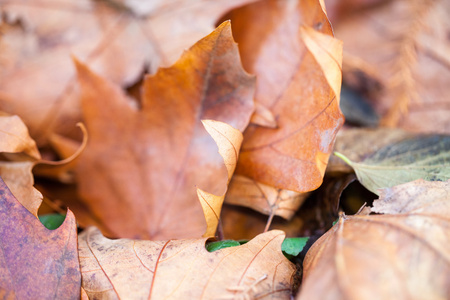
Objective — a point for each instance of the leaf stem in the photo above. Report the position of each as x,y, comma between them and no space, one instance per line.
344,158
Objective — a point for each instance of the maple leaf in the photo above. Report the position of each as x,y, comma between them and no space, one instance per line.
144,164
184,269
119,40
290,138
402,253
36,263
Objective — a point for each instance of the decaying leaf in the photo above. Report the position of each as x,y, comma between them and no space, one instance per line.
119,40
36,263
288,45
144,164
184,269
421,157
401,254
404,44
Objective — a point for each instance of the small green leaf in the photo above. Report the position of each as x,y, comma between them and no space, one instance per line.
422,157
291,247
214,246
52,221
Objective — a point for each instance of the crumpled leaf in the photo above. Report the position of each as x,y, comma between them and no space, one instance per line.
407,51
426,157
288,45
402,254
119,40
144,164
184,269
36,263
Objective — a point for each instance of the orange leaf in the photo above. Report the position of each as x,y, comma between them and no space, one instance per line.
184,269
289,46
144,164
36,263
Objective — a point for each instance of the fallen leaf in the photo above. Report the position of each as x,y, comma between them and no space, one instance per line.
359,143
21,154
263,198
426,157
239,222
36,263
229,141
119,40
401,254
404,44
144,164
19,179
184,269
288,45
14,137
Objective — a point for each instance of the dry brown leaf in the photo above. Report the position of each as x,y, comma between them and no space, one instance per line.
401,254
184,269
144,164
294,69
405,43
119,40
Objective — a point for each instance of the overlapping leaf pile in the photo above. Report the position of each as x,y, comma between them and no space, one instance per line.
157,168
190,137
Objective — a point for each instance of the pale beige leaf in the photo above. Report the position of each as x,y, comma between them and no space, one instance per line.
402,254
229,141
183,269
263,198
18,177
14,137
212,206
22,153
